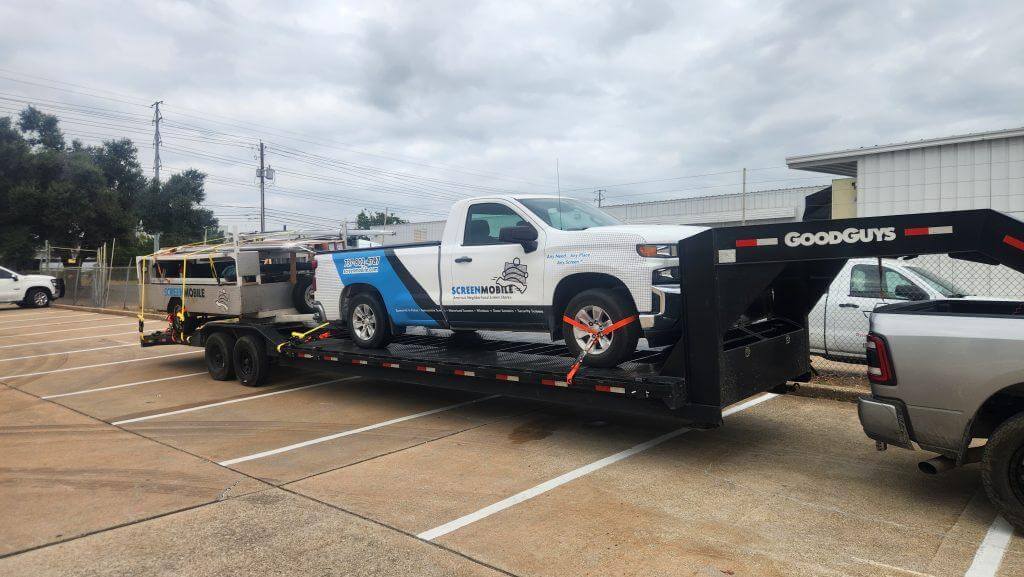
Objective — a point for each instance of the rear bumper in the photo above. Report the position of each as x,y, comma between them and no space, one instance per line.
884,420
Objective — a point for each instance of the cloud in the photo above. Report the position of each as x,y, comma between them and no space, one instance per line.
445,99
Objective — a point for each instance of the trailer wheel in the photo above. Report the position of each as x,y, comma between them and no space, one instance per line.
600,308
1002,470
220,350
302,294
252,364
368,321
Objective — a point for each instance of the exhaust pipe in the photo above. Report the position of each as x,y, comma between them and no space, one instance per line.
936,465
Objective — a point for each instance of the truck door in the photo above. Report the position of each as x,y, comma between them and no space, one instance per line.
8,286
853,297
493,284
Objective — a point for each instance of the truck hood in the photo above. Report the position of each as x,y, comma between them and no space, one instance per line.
653,233
37,278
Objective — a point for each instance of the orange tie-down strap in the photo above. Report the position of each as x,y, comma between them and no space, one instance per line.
597,334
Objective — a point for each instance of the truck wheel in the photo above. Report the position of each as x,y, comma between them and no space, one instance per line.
252,364
368,321
302,294
37,298
220,349
1002,470
600,308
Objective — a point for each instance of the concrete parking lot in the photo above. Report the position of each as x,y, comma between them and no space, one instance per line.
118,460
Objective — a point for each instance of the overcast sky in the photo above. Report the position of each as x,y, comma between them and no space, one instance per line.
411,105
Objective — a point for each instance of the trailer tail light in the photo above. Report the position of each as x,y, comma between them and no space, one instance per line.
879,364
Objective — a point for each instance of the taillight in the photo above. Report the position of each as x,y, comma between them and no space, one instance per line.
879,364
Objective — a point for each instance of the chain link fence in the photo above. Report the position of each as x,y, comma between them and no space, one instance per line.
107,287
839,323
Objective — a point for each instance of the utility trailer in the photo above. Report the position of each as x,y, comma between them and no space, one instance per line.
746,292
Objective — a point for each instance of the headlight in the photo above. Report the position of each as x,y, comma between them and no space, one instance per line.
669,275
656,250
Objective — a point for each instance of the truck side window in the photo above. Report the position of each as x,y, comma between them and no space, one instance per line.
4,274
865,283
485,220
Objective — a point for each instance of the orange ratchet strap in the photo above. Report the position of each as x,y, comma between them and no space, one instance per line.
597,334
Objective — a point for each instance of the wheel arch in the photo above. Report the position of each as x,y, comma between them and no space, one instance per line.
351,290
997,408
574,284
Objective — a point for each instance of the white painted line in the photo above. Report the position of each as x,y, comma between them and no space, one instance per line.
99,365
989,555
111,387
230,402
292,447
122,325
560,480
70,352
66,340
19,318
47,324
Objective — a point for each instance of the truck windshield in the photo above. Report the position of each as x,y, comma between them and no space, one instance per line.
943,286
567,213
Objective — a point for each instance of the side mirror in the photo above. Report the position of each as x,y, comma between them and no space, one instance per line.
911,292
14,277
525,235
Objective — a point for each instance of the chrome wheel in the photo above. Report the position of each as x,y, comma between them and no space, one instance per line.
598,319
40,299
308,296
364,322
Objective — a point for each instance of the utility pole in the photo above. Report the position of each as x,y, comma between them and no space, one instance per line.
263,188
157,117
599,196
743,198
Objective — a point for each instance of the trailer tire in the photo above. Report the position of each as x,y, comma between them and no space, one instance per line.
220,351
252,364
368,321
1002,469
302,294
610,306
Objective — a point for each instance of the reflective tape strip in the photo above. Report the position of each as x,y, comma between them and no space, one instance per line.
462,373
426,369
554,383
358,362
390,365
926,230
1014,242
745,242
507,377
607,389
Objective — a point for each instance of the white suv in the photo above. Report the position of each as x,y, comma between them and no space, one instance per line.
29,290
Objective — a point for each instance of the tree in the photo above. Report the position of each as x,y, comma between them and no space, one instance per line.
43,128
173,209
370,219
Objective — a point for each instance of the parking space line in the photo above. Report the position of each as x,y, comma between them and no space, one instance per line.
47,323
51,371
560,480
989,555
19,318
229,402
65,330
349,432
66,340
70,352
111,387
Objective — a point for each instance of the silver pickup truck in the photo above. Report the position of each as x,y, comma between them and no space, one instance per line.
948,375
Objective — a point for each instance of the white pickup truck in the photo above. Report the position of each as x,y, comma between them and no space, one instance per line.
837,324
516,263
29,290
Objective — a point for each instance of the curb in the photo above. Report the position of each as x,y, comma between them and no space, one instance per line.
832,392
117,312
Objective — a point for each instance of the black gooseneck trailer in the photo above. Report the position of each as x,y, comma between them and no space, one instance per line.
746,294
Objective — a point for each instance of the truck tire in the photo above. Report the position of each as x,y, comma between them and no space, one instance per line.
37,298
302,294
252,364
1002,470
368,322
220,350
600,308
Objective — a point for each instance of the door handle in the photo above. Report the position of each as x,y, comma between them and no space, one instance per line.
463,259
848,306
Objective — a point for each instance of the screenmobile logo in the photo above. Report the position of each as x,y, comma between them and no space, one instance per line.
848,236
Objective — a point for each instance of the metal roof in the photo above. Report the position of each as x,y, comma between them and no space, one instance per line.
844,162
